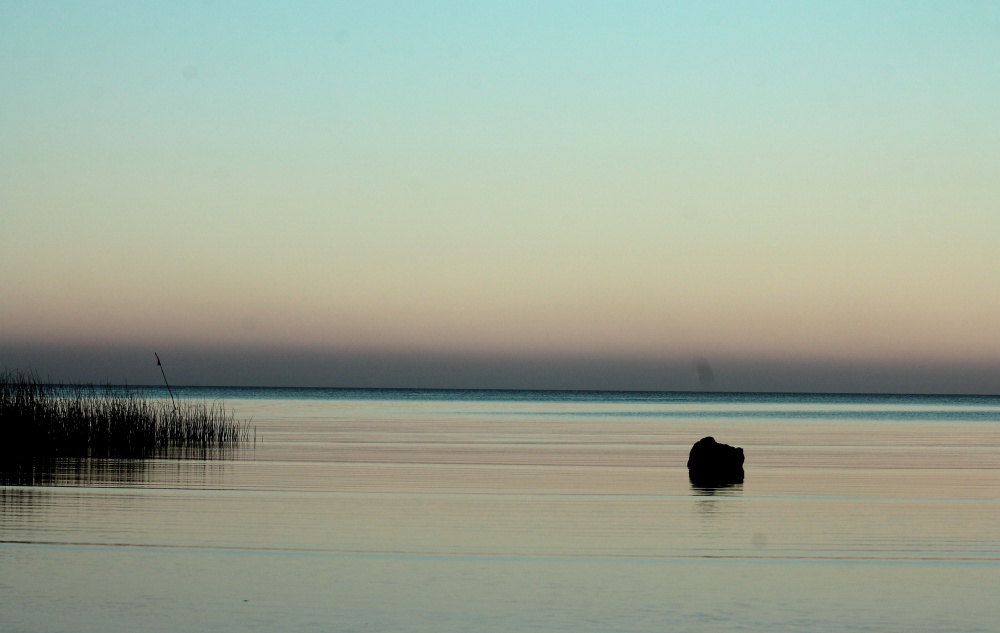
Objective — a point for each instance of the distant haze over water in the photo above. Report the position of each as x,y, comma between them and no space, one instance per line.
379,369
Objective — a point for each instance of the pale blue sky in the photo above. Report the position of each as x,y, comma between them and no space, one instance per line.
787,181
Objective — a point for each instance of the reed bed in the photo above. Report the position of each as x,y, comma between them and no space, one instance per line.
43,420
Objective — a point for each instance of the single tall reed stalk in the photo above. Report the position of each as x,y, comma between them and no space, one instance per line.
43,420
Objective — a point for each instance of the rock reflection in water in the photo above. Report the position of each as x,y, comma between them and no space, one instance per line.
712,501
724,490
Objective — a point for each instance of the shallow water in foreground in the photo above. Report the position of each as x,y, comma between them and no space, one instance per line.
522,511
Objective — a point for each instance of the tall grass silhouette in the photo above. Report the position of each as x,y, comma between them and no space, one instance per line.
43,420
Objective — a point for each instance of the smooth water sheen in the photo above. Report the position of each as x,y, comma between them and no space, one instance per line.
524,511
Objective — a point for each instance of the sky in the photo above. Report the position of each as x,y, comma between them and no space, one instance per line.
780,196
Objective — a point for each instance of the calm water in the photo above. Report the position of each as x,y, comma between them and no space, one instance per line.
524,511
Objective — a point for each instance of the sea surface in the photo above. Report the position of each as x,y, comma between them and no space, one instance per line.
440,511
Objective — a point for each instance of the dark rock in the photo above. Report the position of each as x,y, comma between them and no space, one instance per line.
714,464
